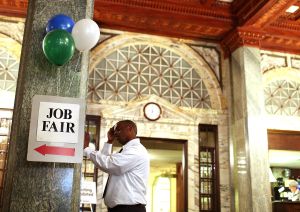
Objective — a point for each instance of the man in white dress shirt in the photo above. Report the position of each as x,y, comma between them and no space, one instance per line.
128,169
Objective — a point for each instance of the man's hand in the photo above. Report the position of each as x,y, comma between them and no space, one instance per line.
87,152
111,135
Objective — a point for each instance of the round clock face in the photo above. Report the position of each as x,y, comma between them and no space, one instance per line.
152,111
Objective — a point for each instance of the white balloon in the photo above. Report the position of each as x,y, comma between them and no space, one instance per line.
86,34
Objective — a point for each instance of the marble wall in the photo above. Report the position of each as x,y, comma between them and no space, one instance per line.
175,122
249,133
35,186
207,58
281,77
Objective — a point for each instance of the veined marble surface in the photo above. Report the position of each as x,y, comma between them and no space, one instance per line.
174,124
249,133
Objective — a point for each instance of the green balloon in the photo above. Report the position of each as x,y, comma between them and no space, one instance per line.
58,46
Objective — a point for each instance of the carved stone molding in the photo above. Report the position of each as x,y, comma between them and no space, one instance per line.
241,37
272,61
295,63
14,30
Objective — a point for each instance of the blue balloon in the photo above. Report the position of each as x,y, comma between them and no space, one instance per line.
60,21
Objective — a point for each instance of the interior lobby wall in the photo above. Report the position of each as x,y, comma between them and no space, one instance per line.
275,67
176,122
281,75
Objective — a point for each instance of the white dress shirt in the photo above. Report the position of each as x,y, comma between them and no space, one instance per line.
294,196
128,170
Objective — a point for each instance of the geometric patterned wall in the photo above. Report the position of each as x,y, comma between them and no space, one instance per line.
282,83
11,36
282,97
9,67
138,70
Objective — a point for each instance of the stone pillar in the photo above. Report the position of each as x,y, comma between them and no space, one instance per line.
249,142
41,186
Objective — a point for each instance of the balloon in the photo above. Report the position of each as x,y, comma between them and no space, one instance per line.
58,46
86,34
60,21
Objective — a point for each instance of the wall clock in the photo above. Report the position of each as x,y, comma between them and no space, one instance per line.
152,111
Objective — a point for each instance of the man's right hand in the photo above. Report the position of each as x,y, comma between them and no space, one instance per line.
87,151
111,135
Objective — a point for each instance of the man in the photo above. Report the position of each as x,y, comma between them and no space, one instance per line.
294,195
128,169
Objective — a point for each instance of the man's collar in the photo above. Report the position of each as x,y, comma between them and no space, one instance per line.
131,143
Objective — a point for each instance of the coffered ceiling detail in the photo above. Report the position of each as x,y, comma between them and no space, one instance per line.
232,23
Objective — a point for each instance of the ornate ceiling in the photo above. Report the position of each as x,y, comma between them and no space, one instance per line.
232,23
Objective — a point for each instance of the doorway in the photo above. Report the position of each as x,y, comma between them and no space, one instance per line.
167,186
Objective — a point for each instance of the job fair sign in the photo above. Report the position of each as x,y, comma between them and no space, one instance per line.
56,129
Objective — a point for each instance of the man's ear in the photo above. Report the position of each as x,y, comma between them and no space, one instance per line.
130,127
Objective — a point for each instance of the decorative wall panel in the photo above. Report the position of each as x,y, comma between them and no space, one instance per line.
13,28
282,97
129,70
139,70
295,63
9,67
212,56
269,61
282,87
273,60
11,35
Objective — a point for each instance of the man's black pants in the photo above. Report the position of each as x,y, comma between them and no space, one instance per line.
128,208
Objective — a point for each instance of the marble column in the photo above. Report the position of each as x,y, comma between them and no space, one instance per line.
249,144
44,186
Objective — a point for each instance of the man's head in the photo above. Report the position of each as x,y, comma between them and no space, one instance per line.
125,131
293,185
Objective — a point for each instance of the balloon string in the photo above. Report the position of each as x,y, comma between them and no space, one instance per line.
76,68
58,81
77,64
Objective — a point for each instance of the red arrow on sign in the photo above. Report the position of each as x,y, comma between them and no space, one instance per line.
55,150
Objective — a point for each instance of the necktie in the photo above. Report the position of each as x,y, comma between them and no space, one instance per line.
107,182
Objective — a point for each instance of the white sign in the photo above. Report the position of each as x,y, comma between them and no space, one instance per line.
56,120
88,193
56,129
